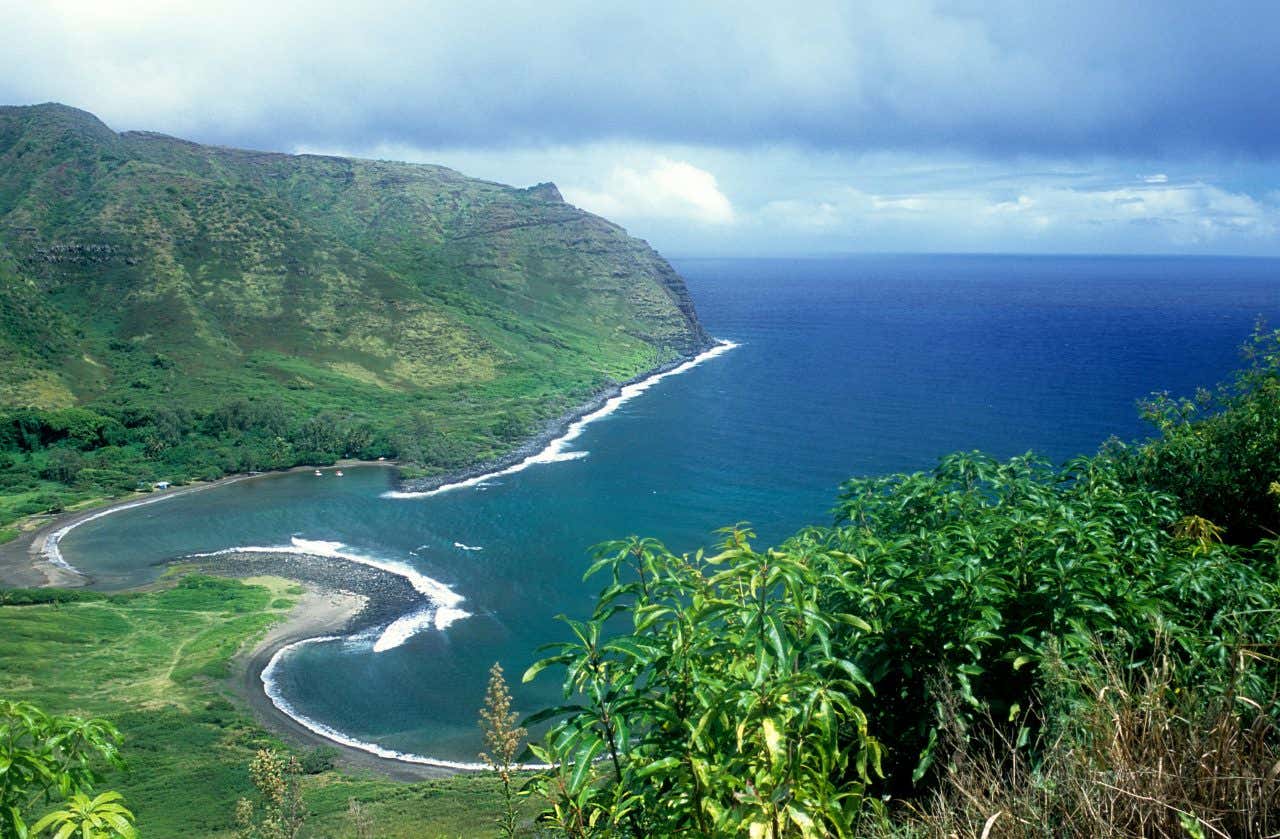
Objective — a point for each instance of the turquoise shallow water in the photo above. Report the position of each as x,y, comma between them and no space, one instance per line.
845,366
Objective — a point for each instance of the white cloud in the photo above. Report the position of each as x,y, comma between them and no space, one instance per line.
789,200
1041,216
667,189
815,217
1157,178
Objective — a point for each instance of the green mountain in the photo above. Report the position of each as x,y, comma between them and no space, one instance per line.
259,270
143,272
170,311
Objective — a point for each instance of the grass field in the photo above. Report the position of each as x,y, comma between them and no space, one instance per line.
156,664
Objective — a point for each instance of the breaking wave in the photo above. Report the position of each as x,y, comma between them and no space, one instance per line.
271,687
554,452
443,601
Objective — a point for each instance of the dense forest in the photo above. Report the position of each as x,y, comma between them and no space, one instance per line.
56,457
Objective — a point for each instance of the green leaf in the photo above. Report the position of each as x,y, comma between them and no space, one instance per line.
550,713
801,818
16,822
773,740
583,763
631,646
538,666
854,621
658,766
926,757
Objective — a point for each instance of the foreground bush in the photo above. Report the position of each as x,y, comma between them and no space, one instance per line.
46,758
971,574
725,710
1219,452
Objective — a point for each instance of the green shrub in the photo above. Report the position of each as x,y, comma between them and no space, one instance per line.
777,691
1219,452
320,759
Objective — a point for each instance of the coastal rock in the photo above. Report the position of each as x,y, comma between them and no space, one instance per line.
388,596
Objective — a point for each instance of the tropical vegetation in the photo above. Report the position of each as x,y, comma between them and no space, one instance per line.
171,311
44,758
1011,608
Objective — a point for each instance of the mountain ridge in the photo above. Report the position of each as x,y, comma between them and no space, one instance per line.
91,208
142,274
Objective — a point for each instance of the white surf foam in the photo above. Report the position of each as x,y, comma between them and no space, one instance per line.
444,601
51,551
555,450
272,688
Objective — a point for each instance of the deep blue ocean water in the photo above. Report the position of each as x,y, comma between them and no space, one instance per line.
851,366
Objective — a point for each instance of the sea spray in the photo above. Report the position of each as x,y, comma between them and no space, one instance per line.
443,601
554,452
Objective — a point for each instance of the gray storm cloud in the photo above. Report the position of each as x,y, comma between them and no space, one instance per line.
992,78
732,127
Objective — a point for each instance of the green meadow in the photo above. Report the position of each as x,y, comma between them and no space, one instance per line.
155,663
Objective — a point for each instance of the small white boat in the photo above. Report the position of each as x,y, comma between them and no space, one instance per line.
318,473
338,473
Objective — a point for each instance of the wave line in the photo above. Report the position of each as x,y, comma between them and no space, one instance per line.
443,601
554,451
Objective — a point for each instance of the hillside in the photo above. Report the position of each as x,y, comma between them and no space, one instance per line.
142,274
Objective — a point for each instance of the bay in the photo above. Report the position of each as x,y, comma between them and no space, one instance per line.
845,366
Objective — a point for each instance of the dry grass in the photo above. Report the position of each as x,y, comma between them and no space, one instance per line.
1141,757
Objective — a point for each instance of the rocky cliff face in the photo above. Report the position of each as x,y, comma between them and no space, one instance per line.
159,268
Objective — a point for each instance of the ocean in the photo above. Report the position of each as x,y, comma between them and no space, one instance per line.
842,366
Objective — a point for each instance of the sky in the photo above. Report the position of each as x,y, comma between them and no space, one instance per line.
732,128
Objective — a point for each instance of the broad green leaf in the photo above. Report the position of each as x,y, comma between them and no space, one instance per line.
583,762
773,740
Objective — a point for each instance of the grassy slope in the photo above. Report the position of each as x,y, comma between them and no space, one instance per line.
353,281
153,663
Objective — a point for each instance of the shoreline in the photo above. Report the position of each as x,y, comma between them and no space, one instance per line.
325,610
559,429
320,613
24,563
315,622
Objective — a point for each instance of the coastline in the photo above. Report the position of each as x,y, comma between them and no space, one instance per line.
324,610
334,607
23,563
556,430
